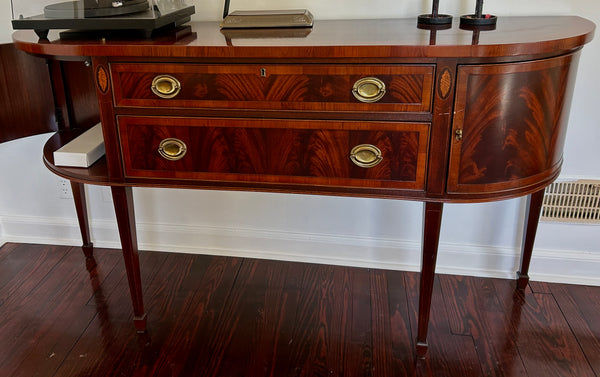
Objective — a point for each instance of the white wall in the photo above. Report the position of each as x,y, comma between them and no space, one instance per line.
478,239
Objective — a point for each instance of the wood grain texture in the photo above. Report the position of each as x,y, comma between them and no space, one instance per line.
81,104
114,162
505,97
546,353
79,198
532,217
283,87
475,310
280,151
513,121
449,355
289,79
387,38
26,106
432,222
37,309
123,204
220,316
97,173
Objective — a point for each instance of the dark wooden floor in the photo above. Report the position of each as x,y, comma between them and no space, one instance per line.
216,316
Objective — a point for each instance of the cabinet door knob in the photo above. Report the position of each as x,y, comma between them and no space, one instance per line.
165,86
366,155
369,89
172,149
458,134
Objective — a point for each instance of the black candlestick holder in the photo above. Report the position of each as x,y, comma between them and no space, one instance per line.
434,18
478,19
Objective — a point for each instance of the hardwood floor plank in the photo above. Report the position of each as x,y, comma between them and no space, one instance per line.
6,249
23,266
42,327
350,334
580,306
110,342
267,330
449,355
391,324
229,317
540,287
474,310
242,334
297,327
202,292
544,339
359,347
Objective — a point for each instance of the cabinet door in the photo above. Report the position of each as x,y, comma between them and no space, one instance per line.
26,103
509,125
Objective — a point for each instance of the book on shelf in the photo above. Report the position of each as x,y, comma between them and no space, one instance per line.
82,151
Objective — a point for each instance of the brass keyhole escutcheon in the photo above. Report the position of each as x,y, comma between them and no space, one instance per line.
366,155
165,86
458,134
369,89
172,149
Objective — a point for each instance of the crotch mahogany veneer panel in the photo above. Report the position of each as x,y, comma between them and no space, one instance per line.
513,121
408,88
281,151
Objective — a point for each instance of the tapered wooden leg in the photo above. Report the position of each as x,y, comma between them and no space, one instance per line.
123,202
532,217
432,221
84,225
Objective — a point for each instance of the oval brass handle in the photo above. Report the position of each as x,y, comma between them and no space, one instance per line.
366,155
458,134
172,149
165,86
369,89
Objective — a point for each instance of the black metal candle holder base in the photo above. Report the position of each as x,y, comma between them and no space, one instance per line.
473,20
430,19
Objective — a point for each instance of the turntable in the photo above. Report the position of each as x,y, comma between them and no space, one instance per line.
139,18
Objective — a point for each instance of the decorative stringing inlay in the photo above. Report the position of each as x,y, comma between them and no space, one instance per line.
102,79
445,83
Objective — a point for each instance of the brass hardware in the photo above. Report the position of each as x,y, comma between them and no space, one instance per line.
172,149
369,89
165,86
366,155
458,134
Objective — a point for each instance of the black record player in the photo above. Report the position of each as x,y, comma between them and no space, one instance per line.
93,8
132,18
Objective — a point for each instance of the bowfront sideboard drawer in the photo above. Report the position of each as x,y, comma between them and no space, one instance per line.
328,153
397,88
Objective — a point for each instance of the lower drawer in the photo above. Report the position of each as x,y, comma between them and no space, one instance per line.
277,151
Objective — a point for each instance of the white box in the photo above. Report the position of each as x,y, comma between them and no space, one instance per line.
82,151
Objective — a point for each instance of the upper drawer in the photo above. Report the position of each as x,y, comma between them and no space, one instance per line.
405,88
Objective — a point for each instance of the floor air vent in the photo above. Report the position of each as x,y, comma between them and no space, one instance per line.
572,202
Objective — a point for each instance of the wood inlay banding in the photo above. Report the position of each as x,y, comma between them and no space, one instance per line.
445,84
102,79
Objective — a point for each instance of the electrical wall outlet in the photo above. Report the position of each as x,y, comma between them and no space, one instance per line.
64,189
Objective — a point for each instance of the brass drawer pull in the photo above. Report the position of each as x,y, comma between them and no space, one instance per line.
366,155
172,149
369,89
165,86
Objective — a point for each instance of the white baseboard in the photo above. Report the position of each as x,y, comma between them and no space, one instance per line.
564,266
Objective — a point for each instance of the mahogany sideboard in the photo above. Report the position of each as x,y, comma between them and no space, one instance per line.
373,108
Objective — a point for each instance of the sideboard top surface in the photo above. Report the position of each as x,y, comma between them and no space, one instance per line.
382,38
